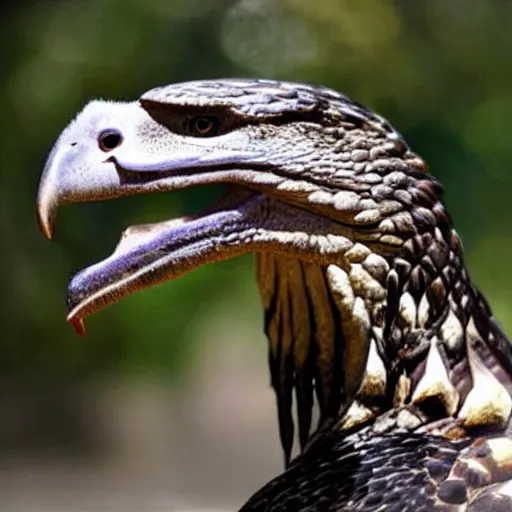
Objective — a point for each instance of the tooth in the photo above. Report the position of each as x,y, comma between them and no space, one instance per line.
488,402
375,379
435,382
79,325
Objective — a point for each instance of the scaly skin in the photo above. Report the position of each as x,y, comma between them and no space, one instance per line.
368,304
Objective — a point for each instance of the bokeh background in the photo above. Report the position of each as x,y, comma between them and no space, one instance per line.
166,404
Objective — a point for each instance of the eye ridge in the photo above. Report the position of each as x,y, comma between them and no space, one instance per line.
204,125
109,140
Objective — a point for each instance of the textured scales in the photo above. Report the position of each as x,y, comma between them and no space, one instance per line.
369,310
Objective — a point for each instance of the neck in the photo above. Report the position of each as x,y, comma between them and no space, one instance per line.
441,346
428,336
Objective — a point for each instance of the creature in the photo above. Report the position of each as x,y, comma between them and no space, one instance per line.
369,309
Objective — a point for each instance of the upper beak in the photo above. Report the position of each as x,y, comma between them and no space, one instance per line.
245,221
70,176
48,194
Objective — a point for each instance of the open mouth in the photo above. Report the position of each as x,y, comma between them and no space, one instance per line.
107,153
244,219
149,254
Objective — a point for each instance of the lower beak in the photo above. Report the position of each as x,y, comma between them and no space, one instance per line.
153,253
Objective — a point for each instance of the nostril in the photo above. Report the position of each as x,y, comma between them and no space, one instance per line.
73,144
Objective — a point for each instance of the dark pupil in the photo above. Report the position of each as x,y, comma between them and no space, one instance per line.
203,124
110,140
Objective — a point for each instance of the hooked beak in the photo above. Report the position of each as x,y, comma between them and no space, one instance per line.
68,178
244,220
48,195
149,254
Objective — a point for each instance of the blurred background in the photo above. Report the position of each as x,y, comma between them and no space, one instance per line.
166,404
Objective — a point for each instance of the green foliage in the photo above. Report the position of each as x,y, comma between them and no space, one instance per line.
438,70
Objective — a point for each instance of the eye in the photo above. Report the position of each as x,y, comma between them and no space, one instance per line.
204,125
109,140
